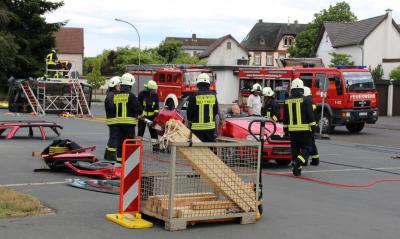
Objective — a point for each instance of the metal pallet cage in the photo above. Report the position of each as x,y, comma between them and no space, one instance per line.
219,181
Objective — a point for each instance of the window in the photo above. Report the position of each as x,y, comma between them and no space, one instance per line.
169,78
270,60
176,78
228,45
288,41
262,41
306,78
319,80
257,59
161,77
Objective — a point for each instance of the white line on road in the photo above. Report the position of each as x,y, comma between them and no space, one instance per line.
31,184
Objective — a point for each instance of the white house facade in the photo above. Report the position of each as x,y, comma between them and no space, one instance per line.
369,42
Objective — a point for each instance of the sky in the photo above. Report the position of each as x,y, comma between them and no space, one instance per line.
157,19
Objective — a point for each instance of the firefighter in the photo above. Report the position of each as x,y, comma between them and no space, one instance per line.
314,151
254,101
299,123
202,110
270,108
127,110
148,99
113,88
52,60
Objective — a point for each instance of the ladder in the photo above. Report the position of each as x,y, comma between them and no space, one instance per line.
82,105
31,98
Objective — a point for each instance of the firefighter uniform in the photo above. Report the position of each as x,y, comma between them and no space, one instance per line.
202,110
51,60
111,149
127,110
299,122
270,108
314,151
149,102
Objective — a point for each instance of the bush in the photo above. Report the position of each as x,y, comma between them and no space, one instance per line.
395,73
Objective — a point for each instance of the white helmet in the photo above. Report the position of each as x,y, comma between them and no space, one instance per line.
307,91
267,91
203,78
297,84
151,85
173,98
128,79
256,87
114,81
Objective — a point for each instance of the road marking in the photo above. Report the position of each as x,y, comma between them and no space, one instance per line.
338,170
31,184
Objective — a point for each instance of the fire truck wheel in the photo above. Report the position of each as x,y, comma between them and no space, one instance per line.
327,127
283,162
355,127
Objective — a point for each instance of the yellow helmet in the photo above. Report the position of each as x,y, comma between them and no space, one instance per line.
128,79
307,91
151,85
297,84
267,91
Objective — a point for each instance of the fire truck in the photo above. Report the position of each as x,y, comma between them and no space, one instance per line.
351,99
179,80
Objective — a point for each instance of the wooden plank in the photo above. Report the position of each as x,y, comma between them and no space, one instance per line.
220,204
187,213
185,201
165,211
212,168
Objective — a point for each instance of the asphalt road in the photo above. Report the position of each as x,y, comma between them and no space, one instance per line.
293,208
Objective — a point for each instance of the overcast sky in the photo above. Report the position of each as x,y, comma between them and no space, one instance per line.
156,19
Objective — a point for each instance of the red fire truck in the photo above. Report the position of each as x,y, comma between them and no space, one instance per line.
351,96
179,80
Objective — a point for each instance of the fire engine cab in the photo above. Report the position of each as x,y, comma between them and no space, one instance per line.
179,80
351,99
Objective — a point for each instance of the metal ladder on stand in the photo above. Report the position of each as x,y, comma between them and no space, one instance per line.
82,105
31,98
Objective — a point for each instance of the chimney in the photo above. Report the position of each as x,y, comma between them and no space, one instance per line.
296,22
388,32
194,37
260,20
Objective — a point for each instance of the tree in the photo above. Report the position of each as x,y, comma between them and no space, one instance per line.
95,78
305,41
377,72
170,50
340,59
395,73
25,37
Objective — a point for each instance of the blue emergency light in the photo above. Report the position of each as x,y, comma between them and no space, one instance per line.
350,67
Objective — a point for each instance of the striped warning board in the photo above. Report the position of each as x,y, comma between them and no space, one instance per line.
130,177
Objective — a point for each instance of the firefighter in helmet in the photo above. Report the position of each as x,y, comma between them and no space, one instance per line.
148,99
299,123
127,110
113,88
270,108
254,100
314,151
202,110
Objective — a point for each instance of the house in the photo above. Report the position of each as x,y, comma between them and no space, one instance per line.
225,51
193,46
268,41
70,46
369,42
223,56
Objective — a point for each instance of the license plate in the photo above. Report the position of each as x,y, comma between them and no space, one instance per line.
363,113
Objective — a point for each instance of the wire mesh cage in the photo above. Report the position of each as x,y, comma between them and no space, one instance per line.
201,182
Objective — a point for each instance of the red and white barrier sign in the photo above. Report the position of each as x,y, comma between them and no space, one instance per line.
129,201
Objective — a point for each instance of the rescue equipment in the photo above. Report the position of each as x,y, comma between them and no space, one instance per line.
30,124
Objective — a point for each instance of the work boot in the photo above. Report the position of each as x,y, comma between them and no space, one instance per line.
296,171
314,162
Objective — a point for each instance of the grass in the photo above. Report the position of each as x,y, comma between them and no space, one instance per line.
15,204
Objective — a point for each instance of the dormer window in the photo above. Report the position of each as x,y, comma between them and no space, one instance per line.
262,41
288,41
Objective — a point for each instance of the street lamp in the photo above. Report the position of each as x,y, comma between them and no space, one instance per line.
120,20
